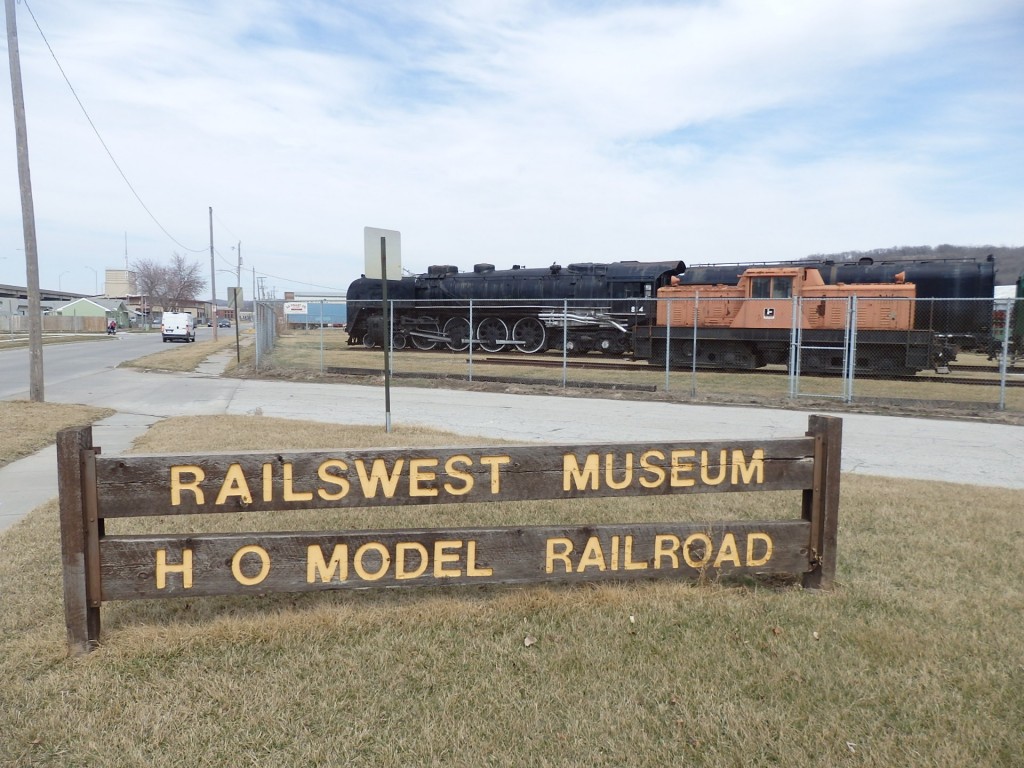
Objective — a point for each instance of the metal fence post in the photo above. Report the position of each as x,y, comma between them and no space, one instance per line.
565,343
668,339
1007,316
693,353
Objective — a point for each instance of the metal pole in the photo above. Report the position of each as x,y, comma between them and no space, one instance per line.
213,280
238,309
693,364
794,347
470,339
1007,315
668,337
387,333
28,216
853,347
321,335
565,343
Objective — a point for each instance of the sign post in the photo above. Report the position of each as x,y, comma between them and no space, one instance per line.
375,244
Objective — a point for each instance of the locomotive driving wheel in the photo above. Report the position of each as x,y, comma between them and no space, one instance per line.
530,335
457,331
421,342
491,332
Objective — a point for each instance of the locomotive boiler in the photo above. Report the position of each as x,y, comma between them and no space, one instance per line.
578,307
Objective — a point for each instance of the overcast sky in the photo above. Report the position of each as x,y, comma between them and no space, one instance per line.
509,132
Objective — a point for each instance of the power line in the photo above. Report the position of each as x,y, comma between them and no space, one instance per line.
102,142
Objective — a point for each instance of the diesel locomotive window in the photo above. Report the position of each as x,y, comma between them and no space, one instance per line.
771,288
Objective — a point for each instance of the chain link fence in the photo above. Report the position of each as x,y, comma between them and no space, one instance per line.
959,353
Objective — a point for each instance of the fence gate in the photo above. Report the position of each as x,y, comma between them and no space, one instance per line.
833,350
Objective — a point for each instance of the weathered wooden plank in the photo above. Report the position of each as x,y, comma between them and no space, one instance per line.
257,563
821,502
190,484
81,619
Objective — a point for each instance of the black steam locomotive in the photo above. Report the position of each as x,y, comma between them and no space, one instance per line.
580,307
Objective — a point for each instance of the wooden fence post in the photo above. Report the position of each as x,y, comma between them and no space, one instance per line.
821,503
81,615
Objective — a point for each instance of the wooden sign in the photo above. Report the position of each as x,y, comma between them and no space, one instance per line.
99,568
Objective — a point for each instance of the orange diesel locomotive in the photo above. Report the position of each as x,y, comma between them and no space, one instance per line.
751,324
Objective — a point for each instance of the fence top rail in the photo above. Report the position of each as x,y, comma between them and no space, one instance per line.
135,486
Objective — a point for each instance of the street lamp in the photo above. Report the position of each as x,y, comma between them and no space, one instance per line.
60,277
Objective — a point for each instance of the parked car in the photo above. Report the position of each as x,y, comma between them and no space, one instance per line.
224,324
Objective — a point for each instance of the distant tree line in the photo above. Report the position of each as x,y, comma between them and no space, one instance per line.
1009,260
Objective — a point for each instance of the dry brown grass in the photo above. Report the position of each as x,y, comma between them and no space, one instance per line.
25,427
181,357
914,660
932,395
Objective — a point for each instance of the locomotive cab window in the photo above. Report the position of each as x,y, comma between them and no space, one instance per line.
771,288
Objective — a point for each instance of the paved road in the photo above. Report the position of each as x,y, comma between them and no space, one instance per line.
886,446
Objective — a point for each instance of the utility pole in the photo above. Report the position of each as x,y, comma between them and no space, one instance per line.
28,216
238,310
213,279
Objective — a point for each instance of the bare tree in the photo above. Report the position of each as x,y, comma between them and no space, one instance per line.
171,286
184,282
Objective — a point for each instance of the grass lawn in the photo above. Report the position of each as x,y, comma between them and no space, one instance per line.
917,658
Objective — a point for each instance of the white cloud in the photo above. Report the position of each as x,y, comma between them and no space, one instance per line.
514,132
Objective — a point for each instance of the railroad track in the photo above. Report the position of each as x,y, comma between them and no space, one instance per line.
934,378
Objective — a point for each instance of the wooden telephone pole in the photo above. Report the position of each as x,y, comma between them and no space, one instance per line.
28,216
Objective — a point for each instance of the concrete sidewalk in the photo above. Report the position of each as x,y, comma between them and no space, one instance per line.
976,453
31,482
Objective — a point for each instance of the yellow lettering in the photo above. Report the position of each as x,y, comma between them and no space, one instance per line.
565,547
615,553
705,476
657,473
752,539
268,482
234,485
162,569
323,472
629,562
441,558
574,478
679,467
748,472
290,494
406,546
592,557
665,545
178,484
418,475
385,561
609,468
472,569
728,551
705,556
378,477
495,462
452,471
236,565
318,569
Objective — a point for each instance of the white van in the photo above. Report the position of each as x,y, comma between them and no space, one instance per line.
177,325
